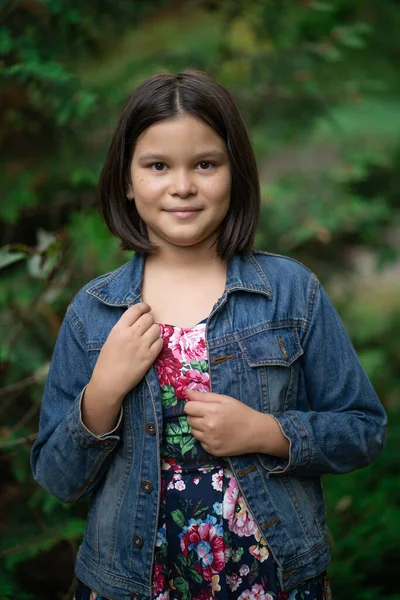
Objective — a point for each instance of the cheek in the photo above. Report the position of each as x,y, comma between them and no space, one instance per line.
220,189
145,189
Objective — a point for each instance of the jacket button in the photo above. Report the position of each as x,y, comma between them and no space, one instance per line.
146,486
135,596
138,541
150,428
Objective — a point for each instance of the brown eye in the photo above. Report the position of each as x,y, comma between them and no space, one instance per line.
159,166
205,165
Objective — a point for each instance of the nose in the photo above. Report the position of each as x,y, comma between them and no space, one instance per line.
183,184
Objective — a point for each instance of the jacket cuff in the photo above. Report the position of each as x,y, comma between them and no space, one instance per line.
82,435
299,446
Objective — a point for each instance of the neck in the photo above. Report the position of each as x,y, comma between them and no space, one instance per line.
185,258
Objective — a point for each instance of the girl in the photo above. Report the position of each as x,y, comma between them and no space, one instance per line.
199,392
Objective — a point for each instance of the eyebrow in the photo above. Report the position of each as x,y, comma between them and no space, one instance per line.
217,154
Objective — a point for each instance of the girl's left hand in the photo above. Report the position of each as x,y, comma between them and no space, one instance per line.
224,426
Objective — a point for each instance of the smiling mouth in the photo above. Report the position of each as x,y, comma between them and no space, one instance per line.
183,213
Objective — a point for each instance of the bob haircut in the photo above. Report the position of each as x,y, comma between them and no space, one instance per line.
164,96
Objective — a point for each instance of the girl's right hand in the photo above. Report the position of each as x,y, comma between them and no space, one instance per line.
130,349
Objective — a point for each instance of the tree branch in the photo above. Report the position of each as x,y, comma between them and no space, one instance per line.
19,441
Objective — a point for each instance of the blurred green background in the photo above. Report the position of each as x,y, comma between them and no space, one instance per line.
318,83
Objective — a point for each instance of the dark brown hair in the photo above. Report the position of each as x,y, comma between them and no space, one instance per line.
167,95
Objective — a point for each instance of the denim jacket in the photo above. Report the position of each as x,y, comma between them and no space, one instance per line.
276,343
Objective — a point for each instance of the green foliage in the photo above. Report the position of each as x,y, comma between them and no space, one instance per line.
364,525
373,323
318,84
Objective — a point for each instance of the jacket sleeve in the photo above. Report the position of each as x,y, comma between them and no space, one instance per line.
67,459
345,426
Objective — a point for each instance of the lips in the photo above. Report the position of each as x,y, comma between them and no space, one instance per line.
183,212
183,209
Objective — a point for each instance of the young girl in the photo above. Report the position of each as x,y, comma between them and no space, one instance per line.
199,391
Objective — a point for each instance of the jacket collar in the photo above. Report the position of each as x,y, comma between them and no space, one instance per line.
123,287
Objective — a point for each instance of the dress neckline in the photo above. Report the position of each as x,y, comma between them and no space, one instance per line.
200,324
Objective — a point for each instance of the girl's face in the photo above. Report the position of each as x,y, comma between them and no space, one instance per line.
181,182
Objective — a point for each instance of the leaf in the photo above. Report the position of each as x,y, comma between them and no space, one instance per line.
9,258
181,584
196,576
201,513
169,401
173,429
185,428
40,266
183,560
253,572
227,538
178,517
199,365
187,443
170,447
167,391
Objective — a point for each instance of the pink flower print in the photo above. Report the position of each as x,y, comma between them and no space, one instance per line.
196,480
233,581
170,463
158,579
236,512
180,486
168,368
166,332
194,380
217,480
189,344
256,593
244,570
93,595
208,543
205,469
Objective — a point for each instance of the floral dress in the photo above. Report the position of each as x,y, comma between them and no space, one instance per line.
208,545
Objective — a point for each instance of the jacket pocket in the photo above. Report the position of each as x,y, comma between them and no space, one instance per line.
270,366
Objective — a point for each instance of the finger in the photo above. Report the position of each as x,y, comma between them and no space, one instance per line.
199,435
205,446
196,423
194,395
156,347
133,313
152,334
194,409
142,324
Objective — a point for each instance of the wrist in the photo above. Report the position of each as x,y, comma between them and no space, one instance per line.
97,416
102,395
268,437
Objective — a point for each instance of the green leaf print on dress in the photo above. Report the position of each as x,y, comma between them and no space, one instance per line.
168,397
201,366
179,434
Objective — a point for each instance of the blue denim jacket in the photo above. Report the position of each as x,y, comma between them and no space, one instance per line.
276,343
